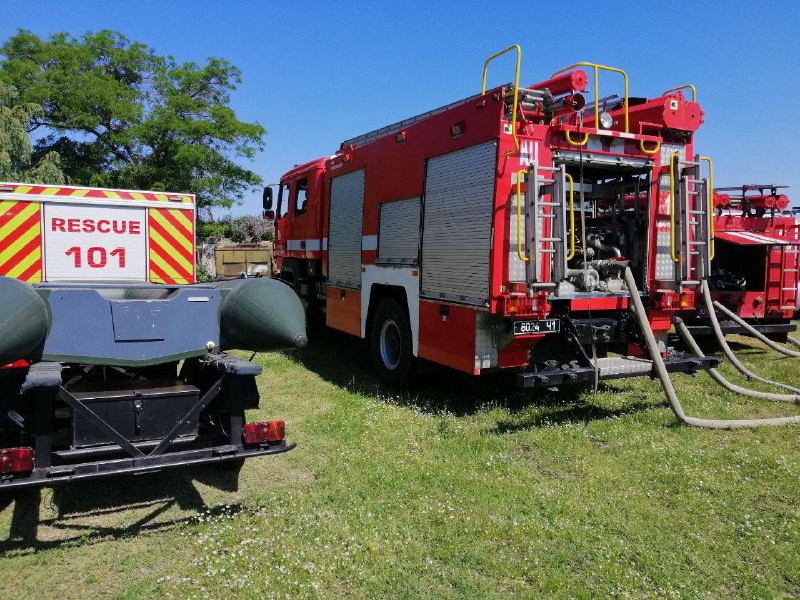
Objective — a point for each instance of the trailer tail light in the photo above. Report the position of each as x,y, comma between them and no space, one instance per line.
16,460
261,433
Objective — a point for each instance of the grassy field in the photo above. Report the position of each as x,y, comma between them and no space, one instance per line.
462,489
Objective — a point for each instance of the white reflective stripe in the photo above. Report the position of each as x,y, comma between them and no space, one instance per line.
369,242
310,244
755,237
622,134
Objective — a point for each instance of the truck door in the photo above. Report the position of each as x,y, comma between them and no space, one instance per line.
282,220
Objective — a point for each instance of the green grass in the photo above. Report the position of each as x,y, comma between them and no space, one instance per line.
462,488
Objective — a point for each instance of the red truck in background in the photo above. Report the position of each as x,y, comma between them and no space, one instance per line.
757,255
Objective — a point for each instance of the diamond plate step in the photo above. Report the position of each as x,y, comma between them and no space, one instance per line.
610,368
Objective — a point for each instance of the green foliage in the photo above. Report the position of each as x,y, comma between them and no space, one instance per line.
16,160
202,274
214,229
122,116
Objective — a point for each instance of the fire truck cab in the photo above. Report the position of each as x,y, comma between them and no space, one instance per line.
493,233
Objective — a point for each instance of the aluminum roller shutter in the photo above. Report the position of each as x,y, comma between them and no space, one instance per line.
344,232
457,232
398,233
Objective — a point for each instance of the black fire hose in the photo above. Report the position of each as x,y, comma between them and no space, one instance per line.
666,382
712,316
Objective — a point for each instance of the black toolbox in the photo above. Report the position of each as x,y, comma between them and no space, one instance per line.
139,414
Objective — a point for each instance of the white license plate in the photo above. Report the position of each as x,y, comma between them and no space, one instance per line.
537,327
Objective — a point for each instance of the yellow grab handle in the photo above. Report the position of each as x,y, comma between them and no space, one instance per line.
519,219
516,87
574,143
597,92
653,151
688,86
710,202
672,205
571,216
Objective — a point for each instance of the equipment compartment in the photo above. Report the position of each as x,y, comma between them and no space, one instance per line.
138,414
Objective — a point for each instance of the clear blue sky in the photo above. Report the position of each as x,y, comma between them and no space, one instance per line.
317,73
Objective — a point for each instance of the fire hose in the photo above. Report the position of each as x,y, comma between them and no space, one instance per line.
712,316
666,382
717,376
755,332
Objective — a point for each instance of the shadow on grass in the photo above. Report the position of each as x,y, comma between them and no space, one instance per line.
344,361
89,511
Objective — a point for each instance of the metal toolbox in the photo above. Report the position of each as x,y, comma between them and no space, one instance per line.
138,414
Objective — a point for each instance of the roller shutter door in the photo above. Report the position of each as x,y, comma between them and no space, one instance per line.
457,232
344,235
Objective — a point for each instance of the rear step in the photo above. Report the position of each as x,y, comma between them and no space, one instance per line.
612,368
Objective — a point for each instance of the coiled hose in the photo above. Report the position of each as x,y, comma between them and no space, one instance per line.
712,316
666,382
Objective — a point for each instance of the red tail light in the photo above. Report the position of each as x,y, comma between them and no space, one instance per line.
260,433
16,460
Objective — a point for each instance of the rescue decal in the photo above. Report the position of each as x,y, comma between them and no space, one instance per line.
94,242
171,246
21,241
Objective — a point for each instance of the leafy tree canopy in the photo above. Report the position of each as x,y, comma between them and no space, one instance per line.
119,115
16,160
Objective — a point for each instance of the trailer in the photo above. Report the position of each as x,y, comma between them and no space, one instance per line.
494,233
755,269
115,362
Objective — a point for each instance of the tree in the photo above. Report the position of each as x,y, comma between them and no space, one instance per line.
16,160
119,115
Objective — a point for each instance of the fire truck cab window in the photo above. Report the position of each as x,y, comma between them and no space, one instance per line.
283,201
300,191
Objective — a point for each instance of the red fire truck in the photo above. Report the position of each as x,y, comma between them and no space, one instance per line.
755,268
494,232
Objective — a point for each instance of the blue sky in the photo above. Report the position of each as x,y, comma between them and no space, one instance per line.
315,74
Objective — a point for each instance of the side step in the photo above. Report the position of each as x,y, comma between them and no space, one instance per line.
612,368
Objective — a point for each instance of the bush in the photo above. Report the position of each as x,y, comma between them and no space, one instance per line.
202,274
251,229
214,229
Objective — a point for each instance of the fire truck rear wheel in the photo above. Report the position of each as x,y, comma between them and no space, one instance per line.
390,344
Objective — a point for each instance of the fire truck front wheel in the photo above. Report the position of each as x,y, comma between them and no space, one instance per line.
390,344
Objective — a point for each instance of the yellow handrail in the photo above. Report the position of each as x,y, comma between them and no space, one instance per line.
596,91
684,87
653,151
672,205
574,143
519,219
710,202
516,87
571,216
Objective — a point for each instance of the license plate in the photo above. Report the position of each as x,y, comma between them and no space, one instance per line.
537,327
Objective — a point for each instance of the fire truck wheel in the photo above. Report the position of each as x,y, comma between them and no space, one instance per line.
390,344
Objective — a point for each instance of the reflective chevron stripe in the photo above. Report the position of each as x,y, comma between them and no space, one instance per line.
21,241
171,234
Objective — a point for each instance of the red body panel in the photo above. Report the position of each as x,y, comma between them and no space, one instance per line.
447,339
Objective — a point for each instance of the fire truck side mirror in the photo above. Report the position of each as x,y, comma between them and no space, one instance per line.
269,215
267,199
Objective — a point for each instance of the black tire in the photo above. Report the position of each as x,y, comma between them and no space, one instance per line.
390,344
